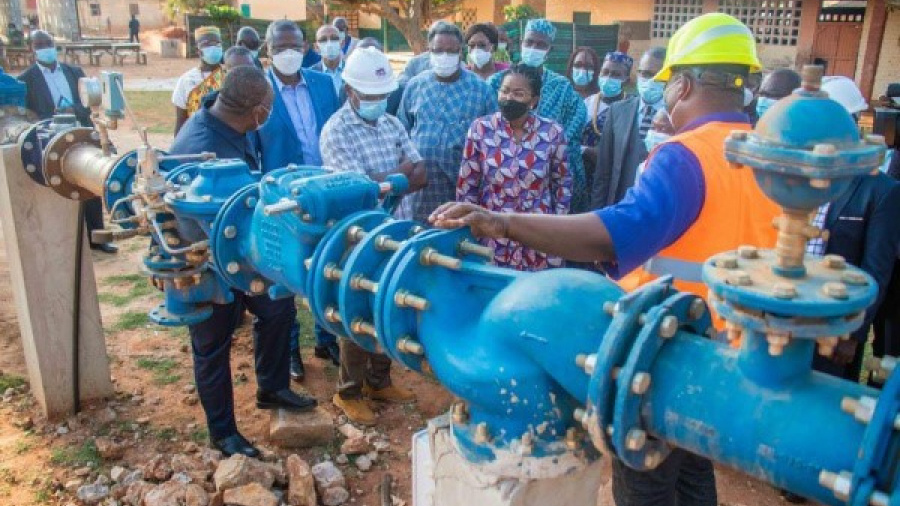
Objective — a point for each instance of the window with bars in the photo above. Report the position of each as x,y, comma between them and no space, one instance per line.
95,10
773,22
669,15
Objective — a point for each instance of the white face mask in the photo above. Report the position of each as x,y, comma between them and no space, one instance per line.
444,64
479,57
501,45
330,50
288,62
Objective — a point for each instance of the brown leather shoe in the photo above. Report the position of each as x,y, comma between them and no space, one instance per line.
392,393
357,410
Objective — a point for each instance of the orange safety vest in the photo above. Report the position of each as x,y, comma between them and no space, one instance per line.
735,212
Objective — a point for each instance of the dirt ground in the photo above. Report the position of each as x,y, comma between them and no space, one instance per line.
154,407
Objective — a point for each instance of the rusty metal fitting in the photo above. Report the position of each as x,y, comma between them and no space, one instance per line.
460,413
402,298
332,315
360,326
653,459
360,282
571,439
430,256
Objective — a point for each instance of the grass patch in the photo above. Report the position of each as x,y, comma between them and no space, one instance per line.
137,284
166,434
22,447
153,110
161,368
131,320
122,279
42,495
199,435
10,381
307,323
85,454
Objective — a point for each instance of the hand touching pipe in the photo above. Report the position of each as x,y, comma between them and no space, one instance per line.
483,223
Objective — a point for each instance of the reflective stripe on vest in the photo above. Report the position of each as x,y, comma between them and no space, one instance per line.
681,270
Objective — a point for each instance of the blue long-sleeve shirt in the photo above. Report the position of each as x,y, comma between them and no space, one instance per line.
664,202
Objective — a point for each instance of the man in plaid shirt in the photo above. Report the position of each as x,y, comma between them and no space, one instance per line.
361,137
437,108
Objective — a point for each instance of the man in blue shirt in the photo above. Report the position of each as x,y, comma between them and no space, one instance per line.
221,126
304,101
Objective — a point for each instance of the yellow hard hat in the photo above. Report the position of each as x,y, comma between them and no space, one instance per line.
710,39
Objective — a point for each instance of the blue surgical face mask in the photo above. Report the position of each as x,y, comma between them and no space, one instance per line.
763,104
46,55
651,91
211,55
255,53
610,86
887,160
371,110
654,138
581,77
533,57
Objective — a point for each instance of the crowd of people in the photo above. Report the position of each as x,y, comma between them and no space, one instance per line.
583,169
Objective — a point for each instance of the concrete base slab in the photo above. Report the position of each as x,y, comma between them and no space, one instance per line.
290,429
453,480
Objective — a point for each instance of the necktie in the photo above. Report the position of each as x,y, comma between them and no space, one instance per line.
646,120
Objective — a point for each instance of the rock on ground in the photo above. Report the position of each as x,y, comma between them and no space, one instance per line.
301,484
355,446
289,429
364,463
109,449
136,491
239,470
158,468
252,494
335,496
327,475
92,494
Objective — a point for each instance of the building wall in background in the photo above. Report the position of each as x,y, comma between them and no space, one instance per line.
603,12
59,18
889,60
275,9
111,17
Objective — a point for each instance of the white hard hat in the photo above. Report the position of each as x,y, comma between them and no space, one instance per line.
845,92
368,71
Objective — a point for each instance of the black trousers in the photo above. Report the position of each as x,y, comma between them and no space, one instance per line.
886,324
683,479
93,215
360,367
211,343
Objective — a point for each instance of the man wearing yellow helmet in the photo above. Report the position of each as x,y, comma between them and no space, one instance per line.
687,205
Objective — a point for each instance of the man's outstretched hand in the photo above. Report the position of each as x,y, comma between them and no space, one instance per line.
483,223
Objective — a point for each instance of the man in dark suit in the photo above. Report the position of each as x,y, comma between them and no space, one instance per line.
863,228
221,125
52,88
622,147
304,100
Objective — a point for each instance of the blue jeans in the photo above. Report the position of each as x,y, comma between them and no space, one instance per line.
323,338
683,479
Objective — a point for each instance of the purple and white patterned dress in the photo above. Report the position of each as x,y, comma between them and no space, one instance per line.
502,174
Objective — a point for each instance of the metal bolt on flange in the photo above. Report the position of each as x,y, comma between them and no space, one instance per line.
250,202
233,268
784,290
580,416
115,186
431,256
609,308
748,252
839,483
835,290
571,439
587,362
862,409
854,278
360,282
355,233
819,183
825,346
269,179
308,263
411,346
653,459
640,383
740,278
305,303
697,309
777,342
471,248
257,286
230,232
482,436
526,444
460,413
332,273
402,298
360,326
836,262
668,326
727,262
385,243
332,314
635,440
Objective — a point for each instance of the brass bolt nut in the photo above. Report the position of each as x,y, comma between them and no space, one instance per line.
233,268
727,262
653,459
835,262
635,440
784,290
257,286
230,232
697,309
668,326
820,184
854,278
640,383
740,278
777,342
482,436
835,290
748,252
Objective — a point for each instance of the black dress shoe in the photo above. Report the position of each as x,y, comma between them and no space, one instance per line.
329,352
285,399
106,247
792,497
235,443
298,373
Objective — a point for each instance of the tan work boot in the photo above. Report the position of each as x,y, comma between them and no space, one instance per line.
357,410
392,393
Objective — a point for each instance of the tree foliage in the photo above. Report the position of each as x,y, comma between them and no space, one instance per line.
519,12
175,8
409,17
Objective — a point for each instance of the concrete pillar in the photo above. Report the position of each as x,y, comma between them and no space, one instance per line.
443,477
876,18
60,18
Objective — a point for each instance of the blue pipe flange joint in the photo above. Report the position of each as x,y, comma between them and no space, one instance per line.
326,265
358,285
120,183
629,315
414,279
805,150
188,299
831,299
196,205
31,149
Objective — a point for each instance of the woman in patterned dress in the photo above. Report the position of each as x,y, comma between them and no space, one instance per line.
515,161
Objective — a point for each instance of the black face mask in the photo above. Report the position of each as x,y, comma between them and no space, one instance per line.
513,109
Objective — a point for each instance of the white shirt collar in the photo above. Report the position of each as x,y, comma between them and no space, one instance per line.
282,85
